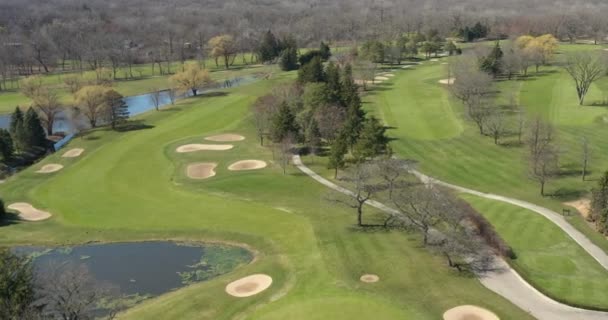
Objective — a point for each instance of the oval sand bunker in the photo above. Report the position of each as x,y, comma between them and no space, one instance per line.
380,78
50,168
27,212
247,165
73,153
229,137
369,278
249,286
203,147
201,171
469,313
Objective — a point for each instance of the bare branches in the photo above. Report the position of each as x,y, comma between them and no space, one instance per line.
584,68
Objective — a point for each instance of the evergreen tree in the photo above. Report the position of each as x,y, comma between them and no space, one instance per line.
312,71
283,124
313,136
288,59
2,210
34,134
372,140
492,64
332,78
308,56
269,47
116,110
16,129
336,156
7,148
599,204
451,48
353,125
324,51
349,91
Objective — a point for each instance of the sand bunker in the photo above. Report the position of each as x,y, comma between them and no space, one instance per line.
73,153
469,313
582,205
434,60
28,213
449,81
50,168
390,75
405,67
199,171
203,147
229,137
249,286
369,278
380,78
247,165
444,63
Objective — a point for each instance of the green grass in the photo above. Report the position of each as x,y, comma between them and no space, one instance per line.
143,82
546,256
472,160
130,186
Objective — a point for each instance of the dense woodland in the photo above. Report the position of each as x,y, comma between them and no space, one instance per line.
41,36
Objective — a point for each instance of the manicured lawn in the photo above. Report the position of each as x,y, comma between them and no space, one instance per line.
546,256
130,186
474,161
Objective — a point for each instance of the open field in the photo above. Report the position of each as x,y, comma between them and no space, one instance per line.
131,186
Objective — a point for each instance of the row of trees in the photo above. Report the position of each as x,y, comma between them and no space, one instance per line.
406,46
447,225
25,136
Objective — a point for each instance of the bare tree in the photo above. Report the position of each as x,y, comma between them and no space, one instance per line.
472,85
70,292
584,68
284,148
478,111
361,179
263,110
172,94
543,162
155,97
495,124
393,171
330,119
586,156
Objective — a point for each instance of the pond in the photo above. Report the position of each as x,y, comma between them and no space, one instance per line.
137,104
143,269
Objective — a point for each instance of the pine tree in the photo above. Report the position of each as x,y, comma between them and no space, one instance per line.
336,156
325,51
312,71
288,59
34,134
116,110
313,137
16,129
492,64
283,124
269,47
334,87
349,91
372,140
7,148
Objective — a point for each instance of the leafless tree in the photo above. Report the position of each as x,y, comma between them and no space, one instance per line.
362,180
586,156
49,107
584,68
393,171
472,85
495,124
172,94
70,292
543,162
263,110
330,119
520,124
511,62
285,151
155,96
478,111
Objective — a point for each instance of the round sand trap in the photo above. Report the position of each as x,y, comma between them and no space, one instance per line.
28,213
203,147
229,137
73,153
247,165
390,75
50,168
469,313
199,171
380,78
405,67
447,81
434,60
249,286
369,278
444,63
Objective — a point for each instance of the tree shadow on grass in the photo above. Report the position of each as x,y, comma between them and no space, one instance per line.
133,126
565,194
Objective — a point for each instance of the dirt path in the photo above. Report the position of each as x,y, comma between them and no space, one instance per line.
506,282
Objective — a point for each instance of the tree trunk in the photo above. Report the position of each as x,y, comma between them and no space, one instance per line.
194,92
542,188
360,215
